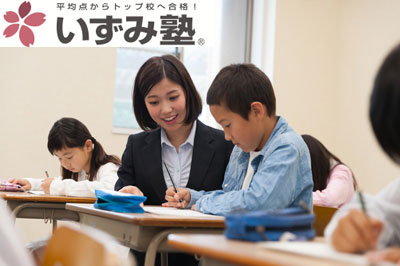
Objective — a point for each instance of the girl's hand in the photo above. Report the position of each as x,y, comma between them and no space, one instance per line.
46,184
132,190
25,184
173,198
391,254
356,232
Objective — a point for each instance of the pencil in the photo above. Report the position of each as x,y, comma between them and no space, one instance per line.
46,173
172,181
362,203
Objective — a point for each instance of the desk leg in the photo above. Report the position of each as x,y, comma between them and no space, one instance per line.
162,237
54,225
164,258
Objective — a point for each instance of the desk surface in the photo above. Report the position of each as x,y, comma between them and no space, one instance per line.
147,219
25,196
219,248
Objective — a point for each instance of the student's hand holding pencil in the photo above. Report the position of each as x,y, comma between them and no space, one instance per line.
46,184
25,184
356,232
178,200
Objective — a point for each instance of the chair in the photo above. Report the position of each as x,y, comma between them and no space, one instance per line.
322,217
73,247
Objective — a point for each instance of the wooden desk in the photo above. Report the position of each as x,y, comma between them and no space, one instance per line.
47,207
145,231
322,217
217,250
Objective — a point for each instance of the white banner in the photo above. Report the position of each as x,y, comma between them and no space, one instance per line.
120,23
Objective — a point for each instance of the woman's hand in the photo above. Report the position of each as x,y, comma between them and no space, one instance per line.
132,190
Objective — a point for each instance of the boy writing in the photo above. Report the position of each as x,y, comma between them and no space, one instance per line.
269,167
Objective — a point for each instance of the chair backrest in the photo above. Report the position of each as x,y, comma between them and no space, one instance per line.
322,217
69,246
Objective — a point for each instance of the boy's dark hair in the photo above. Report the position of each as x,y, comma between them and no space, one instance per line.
237,86
384,111
321,162
70,133
153,71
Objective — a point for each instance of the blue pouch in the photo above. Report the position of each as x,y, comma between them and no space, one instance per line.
117,201
270,225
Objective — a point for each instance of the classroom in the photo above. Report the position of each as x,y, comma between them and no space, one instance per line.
320,55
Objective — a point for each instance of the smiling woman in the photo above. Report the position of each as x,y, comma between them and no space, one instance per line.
167,105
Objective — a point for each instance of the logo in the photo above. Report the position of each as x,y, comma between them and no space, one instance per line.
26,35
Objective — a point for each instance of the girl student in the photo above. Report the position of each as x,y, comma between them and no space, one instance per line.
84,164
334,182
174,145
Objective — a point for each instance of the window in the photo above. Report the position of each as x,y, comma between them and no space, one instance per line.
231,45
129,60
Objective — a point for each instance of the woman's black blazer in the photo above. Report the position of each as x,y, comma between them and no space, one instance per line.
141,162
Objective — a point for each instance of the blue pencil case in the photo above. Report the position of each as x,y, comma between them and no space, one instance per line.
270,225
117,201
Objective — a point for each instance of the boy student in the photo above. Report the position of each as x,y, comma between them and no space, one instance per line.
269,167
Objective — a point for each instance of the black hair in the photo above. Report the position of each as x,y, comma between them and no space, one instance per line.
152,72
321,162
237,86
384,110
70,133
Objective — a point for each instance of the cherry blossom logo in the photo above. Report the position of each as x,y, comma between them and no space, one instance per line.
25,33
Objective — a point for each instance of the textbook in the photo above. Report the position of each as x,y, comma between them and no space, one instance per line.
117,201
6,186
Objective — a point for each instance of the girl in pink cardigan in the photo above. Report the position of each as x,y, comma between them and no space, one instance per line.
334,182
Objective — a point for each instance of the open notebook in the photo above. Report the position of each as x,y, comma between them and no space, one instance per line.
320,250
177,212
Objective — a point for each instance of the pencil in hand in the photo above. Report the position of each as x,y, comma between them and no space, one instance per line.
172,181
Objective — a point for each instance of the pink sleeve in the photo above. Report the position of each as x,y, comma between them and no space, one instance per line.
339,190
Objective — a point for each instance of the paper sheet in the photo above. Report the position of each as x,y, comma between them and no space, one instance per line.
176,212
36,192
315,249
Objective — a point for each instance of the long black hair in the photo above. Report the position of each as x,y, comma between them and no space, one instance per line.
321,162
70,133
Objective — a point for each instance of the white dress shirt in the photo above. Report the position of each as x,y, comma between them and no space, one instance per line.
178,162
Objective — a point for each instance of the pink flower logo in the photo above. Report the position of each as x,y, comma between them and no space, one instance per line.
25,33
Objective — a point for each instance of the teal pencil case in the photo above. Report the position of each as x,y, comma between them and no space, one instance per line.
117,201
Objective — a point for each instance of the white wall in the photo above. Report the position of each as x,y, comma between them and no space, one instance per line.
39,86
326,56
